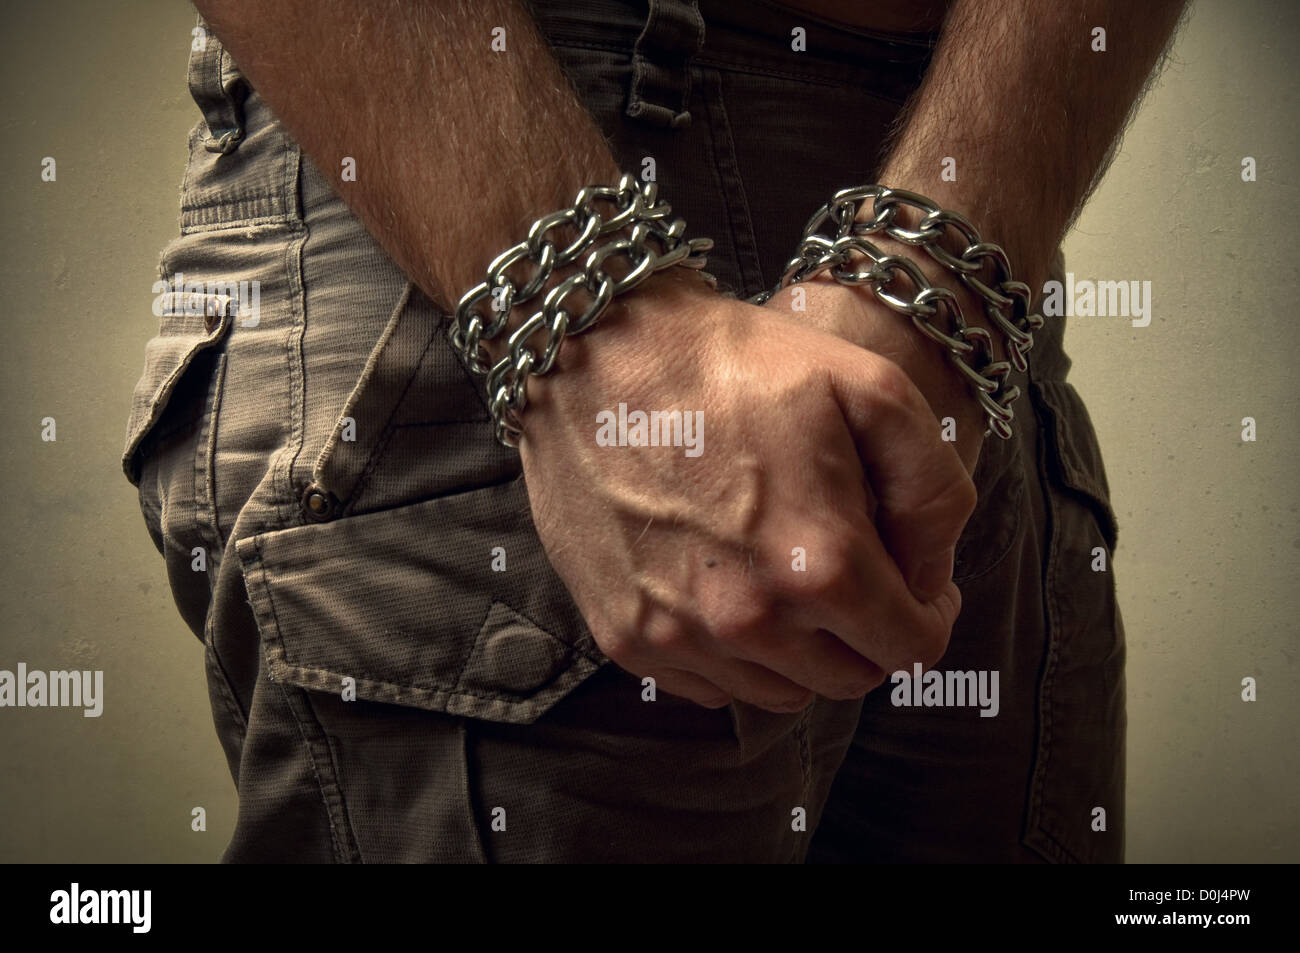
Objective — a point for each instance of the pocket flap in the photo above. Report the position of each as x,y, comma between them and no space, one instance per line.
189,325
449,605
1075,453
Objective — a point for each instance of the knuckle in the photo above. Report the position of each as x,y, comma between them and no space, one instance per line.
742,619
949,504
964,498
892,386
663,635
827,568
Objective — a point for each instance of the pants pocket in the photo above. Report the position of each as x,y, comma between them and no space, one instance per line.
190,324
446,605
1076,803
403,625
169,458
995,524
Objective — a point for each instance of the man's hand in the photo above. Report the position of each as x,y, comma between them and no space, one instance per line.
854,315
689,568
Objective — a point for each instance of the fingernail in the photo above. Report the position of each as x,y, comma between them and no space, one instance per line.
933,576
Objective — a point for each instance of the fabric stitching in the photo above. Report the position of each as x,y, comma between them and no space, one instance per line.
339,851
1014,506
286,499
716,166
571,650
298,674
205,475
742,197
1046,699
387,430
895,38
846,77
473,647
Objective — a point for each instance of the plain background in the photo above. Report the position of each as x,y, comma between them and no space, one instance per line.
1209,525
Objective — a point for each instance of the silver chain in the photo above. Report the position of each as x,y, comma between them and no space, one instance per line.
636,207
969,348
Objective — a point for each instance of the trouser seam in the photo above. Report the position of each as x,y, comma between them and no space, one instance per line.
204,473
804,744
287,495
344,845
1034,836
727,172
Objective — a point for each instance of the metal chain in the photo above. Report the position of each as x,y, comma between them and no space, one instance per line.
969,348
636,207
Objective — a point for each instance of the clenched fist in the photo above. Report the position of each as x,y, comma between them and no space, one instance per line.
804,543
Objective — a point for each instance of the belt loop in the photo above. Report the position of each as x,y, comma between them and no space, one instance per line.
661,78
218,88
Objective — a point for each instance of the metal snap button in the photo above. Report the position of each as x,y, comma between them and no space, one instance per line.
318,503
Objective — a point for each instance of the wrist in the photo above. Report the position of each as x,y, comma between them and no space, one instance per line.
993,333
893,335
639,336
565,288
970,304
1029,247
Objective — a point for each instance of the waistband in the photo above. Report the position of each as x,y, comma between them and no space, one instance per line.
722,31
665,38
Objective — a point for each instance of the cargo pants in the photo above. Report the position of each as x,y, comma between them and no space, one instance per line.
395,671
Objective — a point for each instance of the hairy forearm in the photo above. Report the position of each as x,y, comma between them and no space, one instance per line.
1017,96
457,147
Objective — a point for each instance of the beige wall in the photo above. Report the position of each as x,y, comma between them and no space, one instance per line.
101,88
1209,532
1209,525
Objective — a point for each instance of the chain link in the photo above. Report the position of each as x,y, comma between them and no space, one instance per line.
833,240
969,348
653,243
